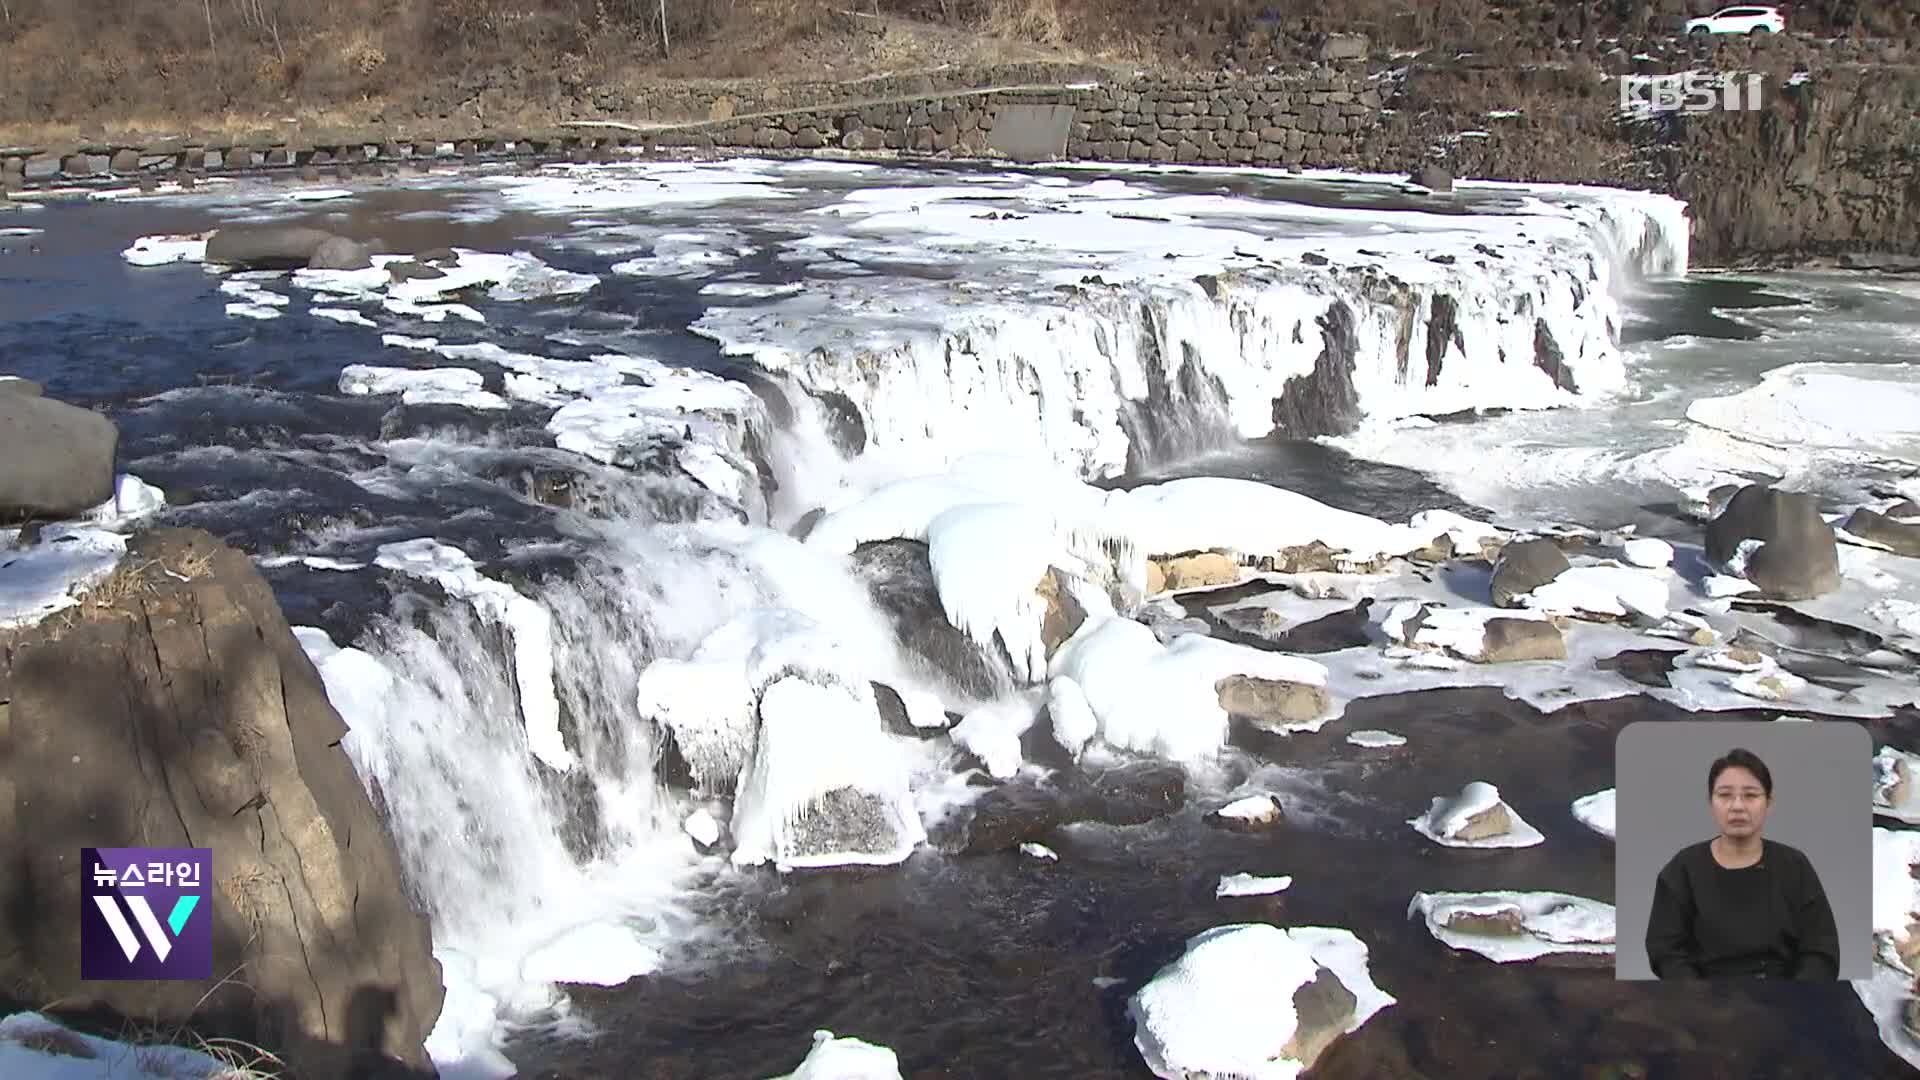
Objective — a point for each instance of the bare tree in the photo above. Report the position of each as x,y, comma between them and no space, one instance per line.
666,48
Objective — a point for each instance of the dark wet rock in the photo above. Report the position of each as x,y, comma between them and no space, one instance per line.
893,713
441,256
899,577
1064,614
1905,508
1131,794
1548,357
186,714
1882,529
58,458
1523,566
1027,812
1513,640
266,247
1798,559
1004,818
13,384
1506,922
1648,667
805,526
1263,627
339,253
413,270
1270,704
1322,1010
1323,402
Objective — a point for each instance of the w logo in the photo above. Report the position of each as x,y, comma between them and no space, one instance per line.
143,914
121,932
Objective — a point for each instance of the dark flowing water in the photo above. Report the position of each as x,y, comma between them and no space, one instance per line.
967,966
985,966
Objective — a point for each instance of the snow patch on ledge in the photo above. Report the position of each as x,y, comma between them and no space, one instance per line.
39,580
36,1047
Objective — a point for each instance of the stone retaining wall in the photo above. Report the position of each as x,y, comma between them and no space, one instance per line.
1313,115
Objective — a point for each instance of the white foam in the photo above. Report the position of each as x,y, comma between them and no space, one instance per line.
1595,811
1225,1006
1550,923
42,579
1376,740
991,732
1250,885
1445,817
1039,851
529,625
597,954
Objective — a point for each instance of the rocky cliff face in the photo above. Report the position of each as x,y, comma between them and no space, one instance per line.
178,710
1831,167
1826,167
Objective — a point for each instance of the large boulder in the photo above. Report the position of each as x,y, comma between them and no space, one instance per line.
58,457
339,253
179,710
1794,556
1524,566
266,247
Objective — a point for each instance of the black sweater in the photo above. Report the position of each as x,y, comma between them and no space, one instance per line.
1770,918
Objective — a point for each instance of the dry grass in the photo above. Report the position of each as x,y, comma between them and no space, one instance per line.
116,595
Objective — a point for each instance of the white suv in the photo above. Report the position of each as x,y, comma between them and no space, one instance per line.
1740,20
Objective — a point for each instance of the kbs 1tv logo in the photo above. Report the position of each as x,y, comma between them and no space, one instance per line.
145,913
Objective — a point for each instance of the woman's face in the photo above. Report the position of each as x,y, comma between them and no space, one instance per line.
1740,804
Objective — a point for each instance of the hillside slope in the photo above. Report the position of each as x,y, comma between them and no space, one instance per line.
67,66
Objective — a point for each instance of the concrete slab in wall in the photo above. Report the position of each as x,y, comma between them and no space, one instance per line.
1031,132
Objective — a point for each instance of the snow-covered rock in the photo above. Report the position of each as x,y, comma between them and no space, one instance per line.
845,1058
1595,811
1476,817
1515,926
1254,1001
1250,813
1164,700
